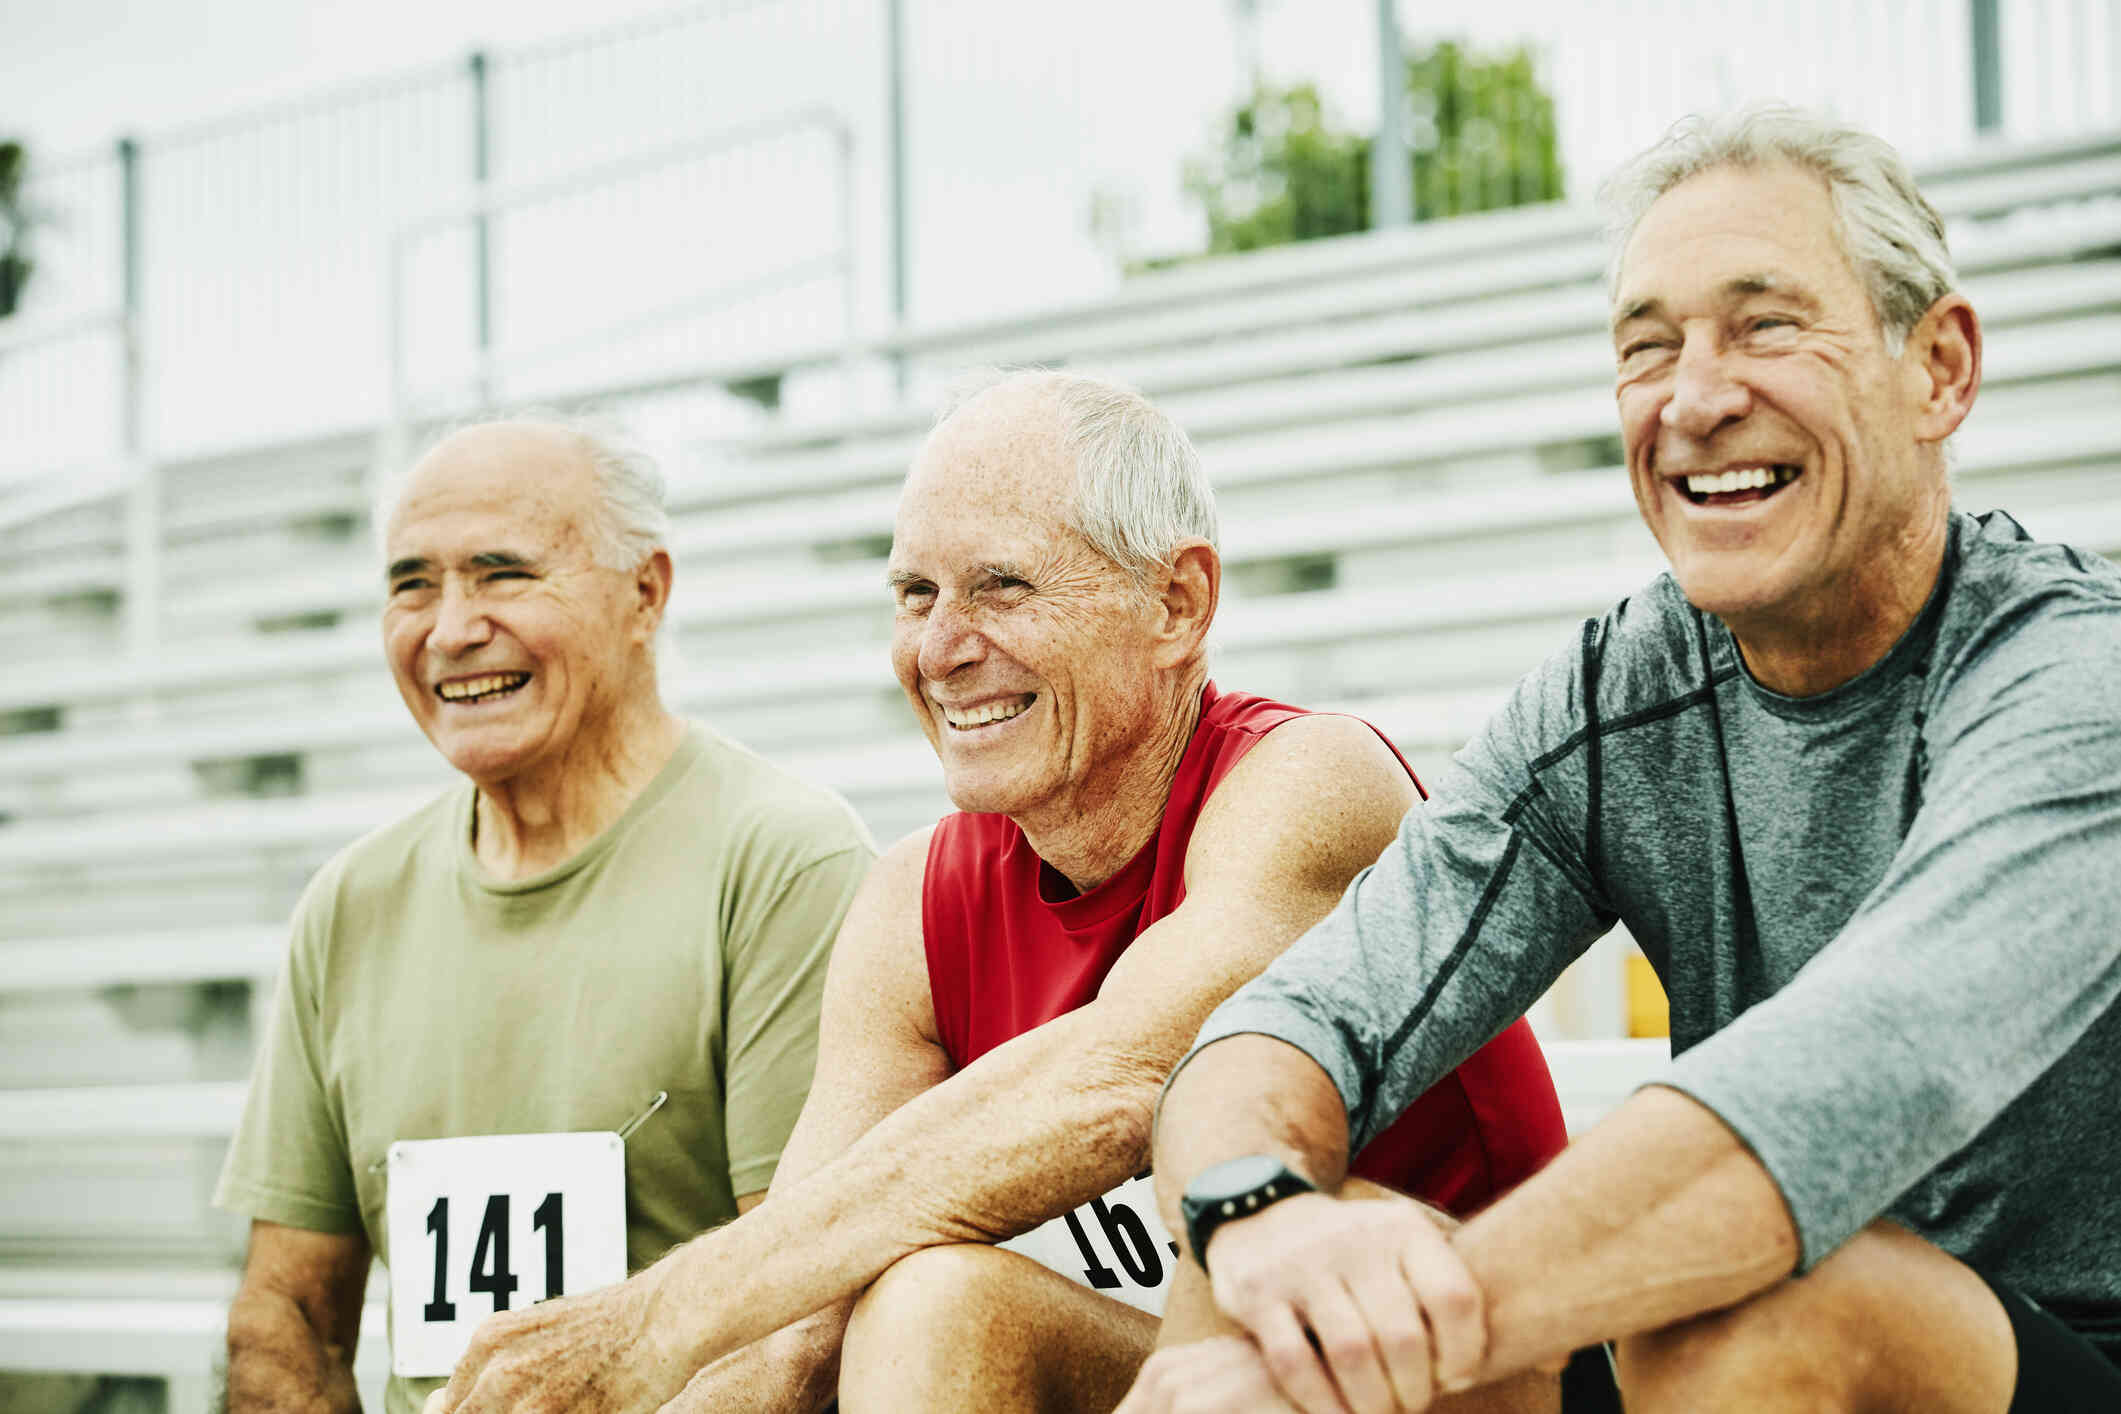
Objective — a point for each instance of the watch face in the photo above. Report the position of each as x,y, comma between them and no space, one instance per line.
1235,1176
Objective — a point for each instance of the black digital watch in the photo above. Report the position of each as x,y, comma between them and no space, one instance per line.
1233,1189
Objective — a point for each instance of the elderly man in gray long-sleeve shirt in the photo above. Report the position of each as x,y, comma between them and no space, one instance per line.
1851,773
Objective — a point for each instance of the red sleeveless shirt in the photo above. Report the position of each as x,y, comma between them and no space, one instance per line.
1011,946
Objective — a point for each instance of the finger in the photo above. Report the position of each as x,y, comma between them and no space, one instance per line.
1453,1304
437,1402
1393,1313
1350,1350
1286,1349
1238,1387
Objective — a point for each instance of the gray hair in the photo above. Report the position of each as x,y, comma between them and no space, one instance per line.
1891,235
1140,491
633,519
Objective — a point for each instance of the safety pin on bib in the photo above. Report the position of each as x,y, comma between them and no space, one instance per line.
655,1102
640,1119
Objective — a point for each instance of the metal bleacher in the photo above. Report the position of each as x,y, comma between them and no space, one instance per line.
1412,438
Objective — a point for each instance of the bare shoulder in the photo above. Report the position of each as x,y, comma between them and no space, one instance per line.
880,961
1317,799
893,885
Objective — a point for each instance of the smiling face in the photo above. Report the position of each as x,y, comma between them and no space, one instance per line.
510,645
1031,660
1772,440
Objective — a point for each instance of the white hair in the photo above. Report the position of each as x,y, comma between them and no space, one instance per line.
633,519
1140,491
1891,235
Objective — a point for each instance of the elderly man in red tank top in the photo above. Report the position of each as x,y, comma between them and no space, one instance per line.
960,1220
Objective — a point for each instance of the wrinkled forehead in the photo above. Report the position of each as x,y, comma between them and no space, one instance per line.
996,462
531,482
1773,222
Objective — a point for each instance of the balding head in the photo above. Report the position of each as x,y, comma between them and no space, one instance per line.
627,521
1137,490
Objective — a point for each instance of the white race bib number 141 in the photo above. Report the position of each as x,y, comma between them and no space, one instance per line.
1116,1244
493,1223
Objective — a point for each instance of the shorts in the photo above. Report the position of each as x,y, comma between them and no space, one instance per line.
2063,1367
1588,1385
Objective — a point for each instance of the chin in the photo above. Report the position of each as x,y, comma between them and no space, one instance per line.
1728,592
481,761
977,793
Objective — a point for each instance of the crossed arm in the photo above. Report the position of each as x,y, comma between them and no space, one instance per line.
894,1154
1656,1214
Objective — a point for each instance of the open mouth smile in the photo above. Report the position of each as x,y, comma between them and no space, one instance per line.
1739,486
986,714
487,687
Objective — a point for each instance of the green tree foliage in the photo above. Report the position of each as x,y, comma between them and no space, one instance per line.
1480,127
14,227
1282,174
1481,130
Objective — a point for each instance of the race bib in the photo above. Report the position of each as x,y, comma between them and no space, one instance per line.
494,1223
1116,1244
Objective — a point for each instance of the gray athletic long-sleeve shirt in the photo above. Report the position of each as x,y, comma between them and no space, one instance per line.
1888,917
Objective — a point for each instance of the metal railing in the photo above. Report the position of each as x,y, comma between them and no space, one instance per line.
625,338
243,283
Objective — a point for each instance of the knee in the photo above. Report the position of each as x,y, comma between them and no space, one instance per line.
1761,1355
934,1299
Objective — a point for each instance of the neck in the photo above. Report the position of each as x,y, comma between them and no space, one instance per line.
1092,834
528,824
1849,626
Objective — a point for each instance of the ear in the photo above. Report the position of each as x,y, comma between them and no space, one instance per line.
1186,600
1943,363
651,589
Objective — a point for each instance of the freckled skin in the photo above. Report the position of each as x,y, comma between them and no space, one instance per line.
1086,770
556,760
1798,373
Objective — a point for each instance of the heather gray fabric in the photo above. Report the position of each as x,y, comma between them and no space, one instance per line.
1889,917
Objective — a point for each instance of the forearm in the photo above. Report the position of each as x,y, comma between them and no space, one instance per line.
795,1369
1048,1121
1657,1214
279,1364
1248,1094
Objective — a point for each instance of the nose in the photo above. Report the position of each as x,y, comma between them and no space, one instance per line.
948,640
460,624
1704,395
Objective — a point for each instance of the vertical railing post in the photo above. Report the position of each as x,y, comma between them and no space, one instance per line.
1988,67
1391,171
895,195
481,230
395,436
850,258
141,616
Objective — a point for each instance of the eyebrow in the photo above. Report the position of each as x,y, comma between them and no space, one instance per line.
1737,287
899,579
484,560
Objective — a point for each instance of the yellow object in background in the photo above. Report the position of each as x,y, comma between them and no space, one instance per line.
1649,1013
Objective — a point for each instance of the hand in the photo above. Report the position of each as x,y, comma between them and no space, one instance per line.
1224,1375
1396,1316
597,1353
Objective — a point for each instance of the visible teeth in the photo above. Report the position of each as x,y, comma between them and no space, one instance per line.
466,689
966,719
1751,478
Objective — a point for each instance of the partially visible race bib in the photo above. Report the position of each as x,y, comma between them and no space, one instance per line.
1116,1244
495,1223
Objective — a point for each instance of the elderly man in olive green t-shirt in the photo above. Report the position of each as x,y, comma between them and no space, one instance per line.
563,1016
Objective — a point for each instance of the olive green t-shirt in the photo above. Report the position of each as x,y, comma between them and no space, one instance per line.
682,951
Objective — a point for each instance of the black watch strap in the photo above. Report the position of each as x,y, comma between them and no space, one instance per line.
1233,1189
